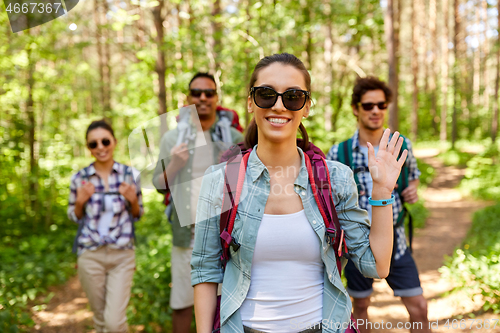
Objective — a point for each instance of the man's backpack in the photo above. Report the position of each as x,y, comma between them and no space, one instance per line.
234,178
85,177
344,156
227,118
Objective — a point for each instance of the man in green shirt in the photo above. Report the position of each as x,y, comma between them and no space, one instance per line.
180,169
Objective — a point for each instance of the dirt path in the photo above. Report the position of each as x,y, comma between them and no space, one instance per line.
67,312
445,229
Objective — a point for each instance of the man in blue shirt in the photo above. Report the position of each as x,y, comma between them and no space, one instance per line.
369,103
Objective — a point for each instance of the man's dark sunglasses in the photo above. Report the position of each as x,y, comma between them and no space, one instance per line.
370,106
93,144
266,97
208,92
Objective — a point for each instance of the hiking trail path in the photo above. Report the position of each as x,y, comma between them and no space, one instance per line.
448,223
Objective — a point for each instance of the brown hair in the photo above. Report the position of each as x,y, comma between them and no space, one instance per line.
251,136
99,124
365,84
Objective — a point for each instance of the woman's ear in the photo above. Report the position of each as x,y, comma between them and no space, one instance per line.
249,104
307,109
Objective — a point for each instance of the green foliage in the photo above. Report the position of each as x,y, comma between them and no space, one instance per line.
482,178
27,268
149,302
417,210
419,214
30,264
476,267
427,172
455,157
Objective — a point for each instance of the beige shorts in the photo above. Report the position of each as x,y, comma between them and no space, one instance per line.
182,293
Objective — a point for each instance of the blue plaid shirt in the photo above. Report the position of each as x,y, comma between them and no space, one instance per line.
120,229
360,160
206,264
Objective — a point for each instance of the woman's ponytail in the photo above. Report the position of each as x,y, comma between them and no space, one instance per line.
304,145
251,135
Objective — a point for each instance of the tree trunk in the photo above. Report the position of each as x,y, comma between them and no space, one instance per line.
456,92
216,34
248,5
444,72
393,63
476,84
486,53
100,53
414,66
432,62
30,112
160,63
106,62
494,124
327,55
307,24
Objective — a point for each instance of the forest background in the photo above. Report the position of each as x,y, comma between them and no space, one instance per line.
131,60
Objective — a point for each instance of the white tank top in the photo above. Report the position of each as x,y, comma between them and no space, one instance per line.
286,287
106,216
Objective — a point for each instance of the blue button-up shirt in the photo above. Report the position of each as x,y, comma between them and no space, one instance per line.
206,263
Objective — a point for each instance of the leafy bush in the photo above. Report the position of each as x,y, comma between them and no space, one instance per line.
482,178
30,264
427,172
455,157
149,302
27,269
476,267
419,214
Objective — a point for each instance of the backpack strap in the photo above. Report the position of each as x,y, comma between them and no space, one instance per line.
223,128
184,126
404,175
128,172
344,156
403,183
234,178
319,178
80,223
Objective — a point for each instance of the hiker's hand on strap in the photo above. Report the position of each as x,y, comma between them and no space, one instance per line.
180,156
385,167
84,192
129,191
410,194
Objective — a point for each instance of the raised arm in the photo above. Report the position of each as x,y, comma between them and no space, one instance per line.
384,170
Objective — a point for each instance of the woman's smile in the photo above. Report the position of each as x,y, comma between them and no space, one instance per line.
278,121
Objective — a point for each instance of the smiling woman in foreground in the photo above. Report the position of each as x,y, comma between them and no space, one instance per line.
284,277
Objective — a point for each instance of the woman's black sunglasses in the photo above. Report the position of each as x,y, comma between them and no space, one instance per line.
93,144
293,99
370,106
